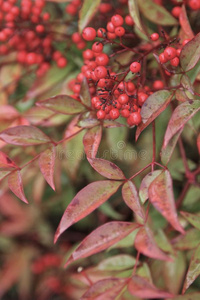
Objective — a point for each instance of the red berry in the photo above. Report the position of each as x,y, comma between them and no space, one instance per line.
174,62
119,31
142,97
31,58
105,8
61,62
123,99
97,47
194,4
117,20
101,114
185,42
130,86
110,27
94,100
125,113
176,11
154,36
135,67
89,34
71,9
88,54
76,37
129,21
170,53
100,72
102,59
101,32
81,45
134,118
111,35
158,85
114,113
39,28
162,58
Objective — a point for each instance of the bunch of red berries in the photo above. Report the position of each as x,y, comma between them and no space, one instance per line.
25,30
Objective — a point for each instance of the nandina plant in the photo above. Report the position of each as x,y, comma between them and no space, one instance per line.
102,108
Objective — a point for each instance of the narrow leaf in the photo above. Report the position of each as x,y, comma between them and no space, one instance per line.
85,93
193,219
193,270
161,196
145,244
156,13
152,108
134,13
167,152
87,200
131,198
16,186
189,296
146,181
46,163
190,53
62,104
185,24
6,163
87,12
24,136
102,238
141,287
106,168
181,115
91,141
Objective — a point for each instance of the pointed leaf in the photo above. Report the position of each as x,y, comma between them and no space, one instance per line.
156,13
16,186
102,238
193,270
105,289
87,12
188,241
6,163
167,152
181,115
85,93
152,108
87,200
146,181
62,104
141,287
134,13
190,53
106,168
162,198
145,244
193,219
185,24
131,198
46,163
91,141
24,136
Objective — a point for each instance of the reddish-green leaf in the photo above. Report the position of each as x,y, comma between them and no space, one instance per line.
117,263
156,13
91,141
87,200
141,287
145,244
185,24
106,168
161,196
131,198
102,238
87,12
16,186
85,93
167,152
188,241
46,163
153,106
88,120
6,163
194,269
24,136
106,289
190,53
189,296
144,187
62,104
134,12
181,115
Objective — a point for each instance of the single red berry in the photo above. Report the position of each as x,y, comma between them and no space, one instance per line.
123,99
71,9
130,86
46,16
194,4
61,62
94,100
154,36
88,54
89,34
125,113
176,10
120,31
135,118
170,53
100,72
39,28
142,97
76,88
31,58
97,47
174,62
129,21
101,114
101,32
111,36
117,20
110,27
76,37
102,59
135,67
162,58
81,45
158,85
114,113
105,8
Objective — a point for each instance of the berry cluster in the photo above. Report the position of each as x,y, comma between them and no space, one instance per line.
25,30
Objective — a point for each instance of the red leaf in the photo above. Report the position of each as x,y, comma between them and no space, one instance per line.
24,136
16,186
181,115
190,54
153,106
146,181
142,288
106,168
102,238
46,163
105,289
184,22
6,163
87,200
145,244
162,198
131,198
62,104
91,141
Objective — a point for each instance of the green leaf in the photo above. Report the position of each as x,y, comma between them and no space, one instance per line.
167,152
189,296
188,241
147,180
87,12
190,54
85,93
134,13
193,219
156,13
62,104
117,263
